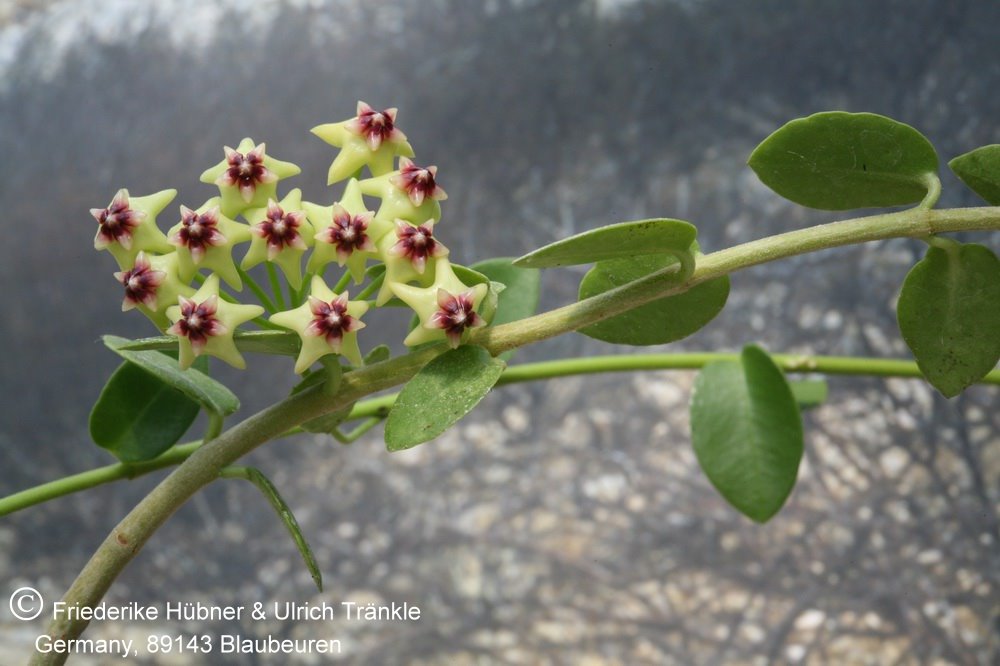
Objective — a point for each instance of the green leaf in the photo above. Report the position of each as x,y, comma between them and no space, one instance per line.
949,315
137,416
257,478
520,299
661,321
616,241
283,343
212,395
809,392
378,354
980,170
444,391
469,276
280,343
838,161
747,432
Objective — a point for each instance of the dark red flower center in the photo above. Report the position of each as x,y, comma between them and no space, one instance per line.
280,229
455,314
141,283
374,126
376,123
198,231
198,321
416,244
331,320
246,171
117,221
348,232
417,182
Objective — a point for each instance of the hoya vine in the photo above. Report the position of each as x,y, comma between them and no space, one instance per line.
649,285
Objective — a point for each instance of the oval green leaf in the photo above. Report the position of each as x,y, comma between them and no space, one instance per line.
949,315
839,161
137,416
212,395
747,432
659,322
616,241
520,298
378,354
277,502
282,343
444,391
980,170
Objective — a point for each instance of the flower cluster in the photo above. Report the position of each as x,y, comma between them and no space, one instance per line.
175,278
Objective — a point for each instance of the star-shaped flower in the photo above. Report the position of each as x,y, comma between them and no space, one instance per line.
247,177
410,254
455,314
141,283
327,323
346,233
446,309
416,243
205,324
281,235
128,226
152,284
369,139
375,126
205,238
417,182
399,194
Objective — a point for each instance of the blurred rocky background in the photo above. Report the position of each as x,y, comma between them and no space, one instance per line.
562,523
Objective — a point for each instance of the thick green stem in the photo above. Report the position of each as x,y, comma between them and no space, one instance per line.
376,409
912,223
205,464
